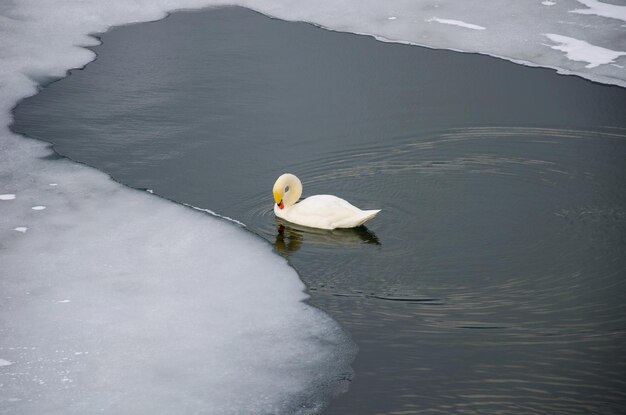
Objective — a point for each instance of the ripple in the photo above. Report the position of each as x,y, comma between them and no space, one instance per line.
410,154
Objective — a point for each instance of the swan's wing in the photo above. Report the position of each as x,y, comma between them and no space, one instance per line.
324,204
328,212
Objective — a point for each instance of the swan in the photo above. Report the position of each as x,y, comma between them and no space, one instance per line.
319,211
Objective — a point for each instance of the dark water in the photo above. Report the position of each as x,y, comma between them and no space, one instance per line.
494,279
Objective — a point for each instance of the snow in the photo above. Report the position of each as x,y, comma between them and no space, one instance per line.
172,310
456,23
5,363
595,7
515,29
210,212
581,51
8,196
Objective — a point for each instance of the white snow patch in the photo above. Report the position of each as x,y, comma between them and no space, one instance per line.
38,207
21,229
210,212
5,363
7,196
581,51
392,18
54,184
456,23
64,301
598,8
548,3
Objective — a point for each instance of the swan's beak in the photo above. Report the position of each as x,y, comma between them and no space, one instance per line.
279,200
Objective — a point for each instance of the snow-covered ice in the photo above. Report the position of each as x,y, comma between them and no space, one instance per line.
456,23
172,310
581,51
514,29
598,8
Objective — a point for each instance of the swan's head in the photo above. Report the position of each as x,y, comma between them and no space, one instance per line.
287,190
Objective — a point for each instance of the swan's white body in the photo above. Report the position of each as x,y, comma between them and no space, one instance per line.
320,211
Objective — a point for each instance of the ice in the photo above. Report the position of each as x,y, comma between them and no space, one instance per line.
123,302
38,207
8,196
171,311
209,211
598,8
515,29
456,23
579,50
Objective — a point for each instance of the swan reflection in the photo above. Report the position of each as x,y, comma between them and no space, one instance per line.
289,237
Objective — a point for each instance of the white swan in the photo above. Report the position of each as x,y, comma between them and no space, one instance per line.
320,211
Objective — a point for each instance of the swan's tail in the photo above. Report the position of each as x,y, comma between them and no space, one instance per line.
369,214
359,219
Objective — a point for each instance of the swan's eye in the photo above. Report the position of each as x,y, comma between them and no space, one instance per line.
286,189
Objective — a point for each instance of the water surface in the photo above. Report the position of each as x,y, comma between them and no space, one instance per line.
493,279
